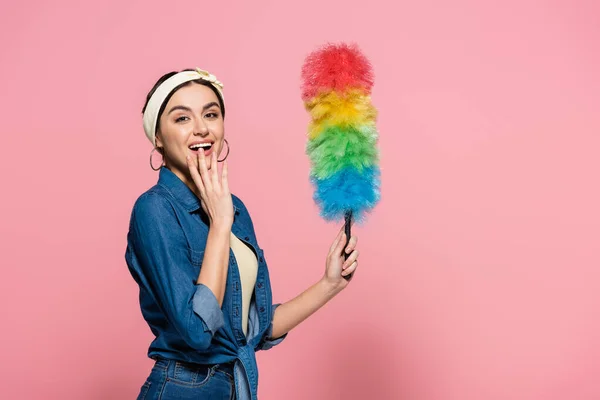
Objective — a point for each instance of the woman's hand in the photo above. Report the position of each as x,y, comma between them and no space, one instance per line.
338,268
215,196
293,312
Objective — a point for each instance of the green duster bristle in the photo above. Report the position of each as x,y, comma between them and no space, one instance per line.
340,147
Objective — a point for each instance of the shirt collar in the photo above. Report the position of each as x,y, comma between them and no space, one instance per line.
178,189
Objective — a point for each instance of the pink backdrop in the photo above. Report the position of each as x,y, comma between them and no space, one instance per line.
479,276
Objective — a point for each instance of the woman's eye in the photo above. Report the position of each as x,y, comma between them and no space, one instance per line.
182,118
212,115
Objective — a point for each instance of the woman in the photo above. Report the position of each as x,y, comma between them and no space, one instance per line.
191,247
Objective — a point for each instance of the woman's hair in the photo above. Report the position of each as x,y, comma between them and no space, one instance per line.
164,104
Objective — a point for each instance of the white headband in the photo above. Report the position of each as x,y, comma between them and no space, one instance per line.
160,94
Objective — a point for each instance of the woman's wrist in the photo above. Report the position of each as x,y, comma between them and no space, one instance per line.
329,288
221,226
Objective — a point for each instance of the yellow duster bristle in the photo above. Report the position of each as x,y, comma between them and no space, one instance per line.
353,108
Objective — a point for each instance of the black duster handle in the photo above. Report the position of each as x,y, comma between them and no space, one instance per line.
347,230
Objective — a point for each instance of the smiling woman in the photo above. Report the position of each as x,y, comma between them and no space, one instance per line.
191,247
189,103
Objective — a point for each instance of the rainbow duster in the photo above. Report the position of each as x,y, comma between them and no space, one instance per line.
342,136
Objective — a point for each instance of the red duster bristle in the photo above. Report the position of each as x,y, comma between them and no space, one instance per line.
336,67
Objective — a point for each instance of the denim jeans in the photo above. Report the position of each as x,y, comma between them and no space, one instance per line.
170,380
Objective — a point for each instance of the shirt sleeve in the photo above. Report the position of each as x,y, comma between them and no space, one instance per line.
268,342
164,261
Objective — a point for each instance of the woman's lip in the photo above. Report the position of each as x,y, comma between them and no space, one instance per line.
206,153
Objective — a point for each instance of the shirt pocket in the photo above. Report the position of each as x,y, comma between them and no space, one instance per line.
196,258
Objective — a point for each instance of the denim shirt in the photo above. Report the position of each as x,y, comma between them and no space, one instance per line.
165,248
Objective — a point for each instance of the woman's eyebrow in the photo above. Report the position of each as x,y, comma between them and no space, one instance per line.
184,108
209,105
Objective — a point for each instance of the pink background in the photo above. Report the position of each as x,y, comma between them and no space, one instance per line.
479,272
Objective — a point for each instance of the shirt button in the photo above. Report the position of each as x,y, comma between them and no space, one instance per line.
260,285
261,259
246,238
262,309
237,286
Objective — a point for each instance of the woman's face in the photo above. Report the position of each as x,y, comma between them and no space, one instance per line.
191,122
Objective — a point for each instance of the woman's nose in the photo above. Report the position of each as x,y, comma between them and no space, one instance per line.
200,128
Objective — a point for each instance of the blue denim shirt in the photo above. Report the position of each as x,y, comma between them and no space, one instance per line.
165,248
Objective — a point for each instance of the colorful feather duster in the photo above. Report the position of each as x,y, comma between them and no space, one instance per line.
342,136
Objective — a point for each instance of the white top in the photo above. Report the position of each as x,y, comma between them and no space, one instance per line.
248,267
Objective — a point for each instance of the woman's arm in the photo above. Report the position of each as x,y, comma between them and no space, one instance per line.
217,203
288,315
215,264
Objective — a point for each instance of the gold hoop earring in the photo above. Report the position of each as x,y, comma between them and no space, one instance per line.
226,154
152,164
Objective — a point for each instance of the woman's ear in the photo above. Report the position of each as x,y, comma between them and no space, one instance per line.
159,144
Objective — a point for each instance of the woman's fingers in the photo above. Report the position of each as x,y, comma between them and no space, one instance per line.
192,164
336,241
224,177
213,186
214,170
339,249
202,166
352,258
350,269
351,244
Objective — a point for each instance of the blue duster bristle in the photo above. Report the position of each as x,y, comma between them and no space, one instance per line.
347,190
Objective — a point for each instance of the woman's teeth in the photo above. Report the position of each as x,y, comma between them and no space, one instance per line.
205,146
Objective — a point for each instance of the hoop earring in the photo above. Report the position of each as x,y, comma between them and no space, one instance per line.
226,154
151,164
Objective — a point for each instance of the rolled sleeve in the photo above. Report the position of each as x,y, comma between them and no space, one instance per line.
268,341
206,306
163,261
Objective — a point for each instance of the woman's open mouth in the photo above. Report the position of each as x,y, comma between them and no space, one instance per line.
206,147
